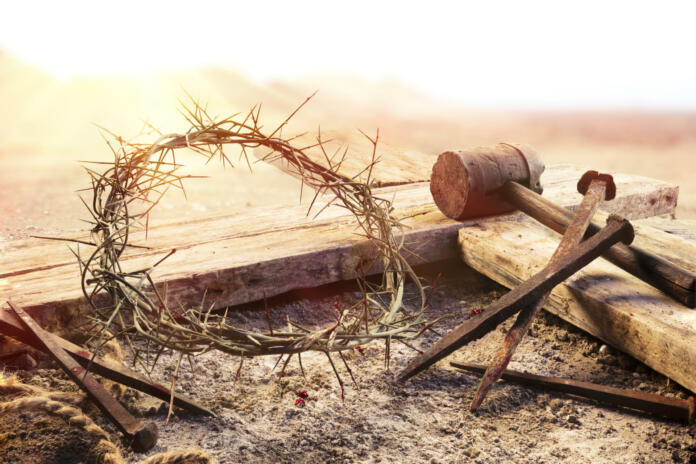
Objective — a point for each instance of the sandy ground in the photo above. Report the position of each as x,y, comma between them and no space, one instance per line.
424,420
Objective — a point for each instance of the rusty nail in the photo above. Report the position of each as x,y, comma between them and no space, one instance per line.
142,436
11,326
657,405
596,188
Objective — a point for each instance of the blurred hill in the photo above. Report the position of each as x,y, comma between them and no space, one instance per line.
47,124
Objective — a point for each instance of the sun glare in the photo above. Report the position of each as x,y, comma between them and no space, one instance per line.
539,53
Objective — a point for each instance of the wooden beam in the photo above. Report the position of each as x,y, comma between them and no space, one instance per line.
238,258
601,299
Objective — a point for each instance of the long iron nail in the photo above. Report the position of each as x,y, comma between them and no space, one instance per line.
657,405
142,436
594,196
11,326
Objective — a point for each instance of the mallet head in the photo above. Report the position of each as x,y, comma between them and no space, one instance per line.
464,183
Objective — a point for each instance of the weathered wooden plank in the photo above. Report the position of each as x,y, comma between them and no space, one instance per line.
683,228
239,258
601,299
641,197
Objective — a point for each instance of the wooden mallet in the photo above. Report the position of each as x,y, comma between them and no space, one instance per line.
486,181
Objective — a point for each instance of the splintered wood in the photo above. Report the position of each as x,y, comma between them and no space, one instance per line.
242,257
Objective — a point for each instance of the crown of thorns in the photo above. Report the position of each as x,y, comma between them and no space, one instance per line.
142,173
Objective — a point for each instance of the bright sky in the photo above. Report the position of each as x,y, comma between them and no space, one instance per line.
487,53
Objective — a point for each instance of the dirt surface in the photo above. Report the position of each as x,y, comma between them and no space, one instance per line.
424,420
37,438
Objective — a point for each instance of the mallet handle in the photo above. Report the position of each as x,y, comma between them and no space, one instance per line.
665,276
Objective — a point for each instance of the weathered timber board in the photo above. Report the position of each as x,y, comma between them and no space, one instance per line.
601,299
683,228
641,197
238,258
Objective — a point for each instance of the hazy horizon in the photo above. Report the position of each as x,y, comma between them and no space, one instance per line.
604,87
537,55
